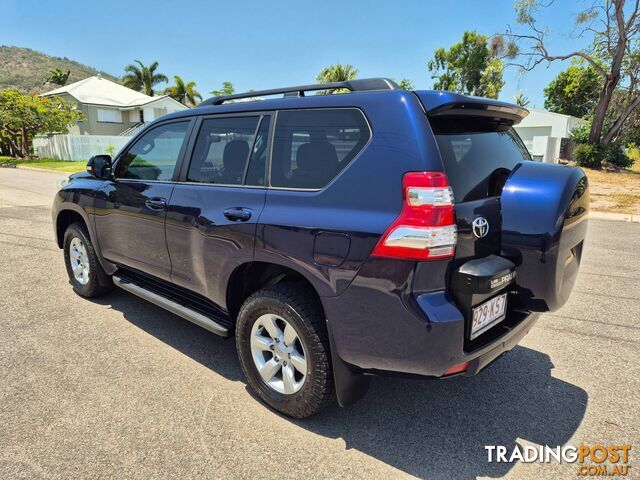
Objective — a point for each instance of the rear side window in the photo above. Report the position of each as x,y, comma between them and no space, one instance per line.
312,146
222,150
478,163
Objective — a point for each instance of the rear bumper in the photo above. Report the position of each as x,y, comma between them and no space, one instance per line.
494,350
423,335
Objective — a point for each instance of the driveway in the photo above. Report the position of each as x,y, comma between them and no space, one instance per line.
118,388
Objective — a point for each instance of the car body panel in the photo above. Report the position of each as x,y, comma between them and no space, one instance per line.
204,245
78,196
361,202
129,231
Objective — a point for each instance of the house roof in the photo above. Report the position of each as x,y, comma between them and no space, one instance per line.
538,111
100,91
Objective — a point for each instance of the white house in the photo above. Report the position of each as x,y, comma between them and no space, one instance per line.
110,108
112,113
543,133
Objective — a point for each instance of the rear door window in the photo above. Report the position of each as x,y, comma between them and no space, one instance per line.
222,150
311,147
478,163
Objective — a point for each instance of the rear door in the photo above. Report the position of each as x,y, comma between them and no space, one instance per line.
213,212
531,214
478,157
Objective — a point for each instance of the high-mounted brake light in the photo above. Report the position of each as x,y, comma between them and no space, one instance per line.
425,228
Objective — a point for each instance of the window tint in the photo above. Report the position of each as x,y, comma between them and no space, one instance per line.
478,163
222,150
155,155
312,146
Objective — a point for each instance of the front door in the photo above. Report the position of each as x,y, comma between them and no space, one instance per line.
131,209
214,210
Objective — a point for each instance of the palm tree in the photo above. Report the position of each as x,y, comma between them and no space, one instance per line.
142,78
185,93
227,89
336,73
521,100
58,77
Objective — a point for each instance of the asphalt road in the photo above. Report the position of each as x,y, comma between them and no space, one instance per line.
118,388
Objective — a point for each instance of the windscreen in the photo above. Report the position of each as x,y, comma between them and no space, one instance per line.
478,161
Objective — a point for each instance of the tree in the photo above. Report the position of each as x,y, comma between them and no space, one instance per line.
471,67
24,115
58,77
142,78
613,53
574,91
226,89
185,93
336,73
521,100
406,84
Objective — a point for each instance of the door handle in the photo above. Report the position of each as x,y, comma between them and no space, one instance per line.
157,204
238,214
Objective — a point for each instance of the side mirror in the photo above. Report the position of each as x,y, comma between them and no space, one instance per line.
99,166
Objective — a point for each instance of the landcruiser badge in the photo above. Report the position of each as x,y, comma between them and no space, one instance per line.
480,227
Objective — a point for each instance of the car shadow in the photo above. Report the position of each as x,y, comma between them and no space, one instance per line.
426,428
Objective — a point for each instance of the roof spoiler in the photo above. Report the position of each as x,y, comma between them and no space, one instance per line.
361,85
447,104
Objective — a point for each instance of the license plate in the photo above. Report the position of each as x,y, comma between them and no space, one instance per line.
486,315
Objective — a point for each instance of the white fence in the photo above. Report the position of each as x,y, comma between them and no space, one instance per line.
77,147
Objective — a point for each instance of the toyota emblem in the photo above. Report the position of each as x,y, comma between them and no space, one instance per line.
480,227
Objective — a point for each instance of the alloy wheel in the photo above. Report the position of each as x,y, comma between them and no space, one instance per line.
79,261
278,354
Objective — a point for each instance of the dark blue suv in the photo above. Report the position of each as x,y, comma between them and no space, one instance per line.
335,236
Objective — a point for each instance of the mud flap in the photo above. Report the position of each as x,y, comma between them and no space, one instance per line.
544,224
350,385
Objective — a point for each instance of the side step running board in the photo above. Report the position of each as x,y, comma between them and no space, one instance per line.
171,306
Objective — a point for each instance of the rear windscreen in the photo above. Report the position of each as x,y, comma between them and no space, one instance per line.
477,163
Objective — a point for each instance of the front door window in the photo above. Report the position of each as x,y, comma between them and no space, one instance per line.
155,155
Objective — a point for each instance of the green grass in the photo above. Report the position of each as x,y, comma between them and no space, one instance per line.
46,163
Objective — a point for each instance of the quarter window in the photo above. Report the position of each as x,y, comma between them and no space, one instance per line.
155,154
312,146
222,150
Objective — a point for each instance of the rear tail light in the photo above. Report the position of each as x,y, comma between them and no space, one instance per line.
425,228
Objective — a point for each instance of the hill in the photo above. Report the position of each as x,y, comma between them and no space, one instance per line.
26,69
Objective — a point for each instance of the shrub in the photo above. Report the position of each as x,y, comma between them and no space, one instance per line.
634,154
615,155
592,156
588,155
111,150
580,134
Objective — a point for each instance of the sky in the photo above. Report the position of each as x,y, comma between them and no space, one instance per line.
269,44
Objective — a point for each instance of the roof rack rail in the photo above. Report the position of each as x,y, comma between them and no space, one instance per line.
360,85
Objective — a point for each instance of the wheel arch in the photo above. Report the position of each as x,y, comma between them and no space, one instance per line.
69,213
66,217
250,277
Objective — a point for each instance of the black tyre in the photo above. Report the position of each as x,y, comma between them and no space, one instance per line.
84,270
283,347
